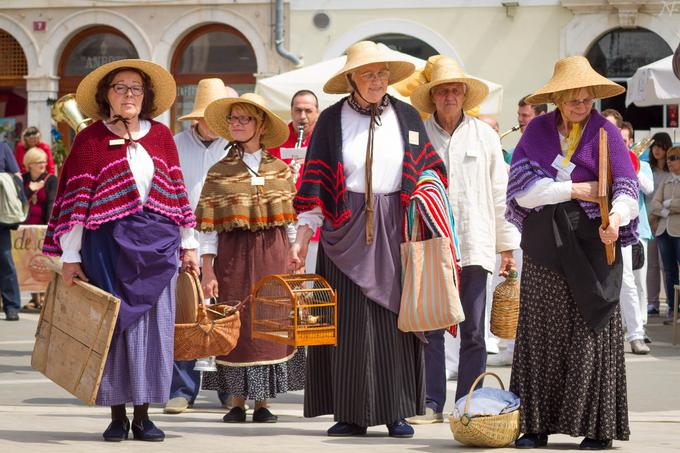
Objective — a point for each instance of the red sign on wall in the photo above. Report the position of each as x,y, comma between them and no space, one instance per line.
39,25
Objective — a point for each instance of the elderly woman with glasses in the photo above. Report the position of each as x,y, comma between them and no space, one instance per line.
31,138
363,161
568,368
122,220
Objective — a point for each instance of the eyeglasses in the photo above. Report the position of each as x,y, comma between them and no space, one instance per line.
42,162
672,158
122,89
371,76
242,119
576,102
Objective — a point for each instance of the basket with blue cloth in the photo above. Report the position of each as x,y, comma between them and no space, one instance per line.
486,417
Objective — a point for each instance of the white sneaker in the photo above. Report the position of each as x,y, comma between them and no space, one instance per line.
427,419
176,405
503,358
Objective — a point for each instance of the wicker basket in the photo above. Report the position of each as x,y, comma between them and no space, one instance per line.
505,307
485,430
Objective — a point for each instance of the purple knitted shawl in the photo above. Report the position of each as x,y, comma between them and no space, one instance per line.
539,146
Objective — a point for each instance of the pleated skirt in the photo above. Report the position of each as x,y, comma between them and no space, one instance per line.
375,375
569,379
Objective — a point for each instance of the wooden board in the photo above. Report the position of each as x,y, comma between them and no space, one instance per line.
73,336
603,188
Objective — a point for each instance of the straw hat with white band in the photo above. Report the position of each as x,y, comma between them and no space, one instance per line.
364,53
208,90
573,73
275,130
444,70
162,84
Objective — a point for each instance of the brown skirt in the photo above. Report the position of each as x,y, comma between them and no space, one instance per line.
569,379
244,257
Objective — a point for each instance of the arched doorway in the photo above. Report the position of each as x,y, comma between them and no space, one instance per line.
405,44
616,55
13,96
85,51
214,50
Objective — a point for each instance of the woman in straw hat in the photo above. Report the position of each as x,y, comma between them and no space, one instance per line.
363,161
120,220
568,368
245,216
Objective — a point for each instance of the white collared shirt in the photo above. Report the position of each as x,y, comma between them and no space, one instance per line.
478,180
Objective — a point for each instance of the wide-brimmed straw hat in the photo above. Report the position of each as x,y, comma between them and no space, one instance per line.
573,73
275,129
207,91
162,84
364,53
442,70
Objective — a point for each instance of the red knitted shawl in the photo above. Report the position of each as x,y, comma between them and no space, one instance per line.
96,185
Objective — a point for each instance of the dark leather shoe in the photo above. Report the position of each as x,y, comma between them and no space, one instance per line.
147,432
342,429
595,444
12,316
262,415
117,431
400,429
235,415
532,440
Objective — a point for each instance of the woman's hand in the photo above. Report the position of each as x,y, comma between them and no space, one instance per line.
610,234
297,255
586,191
209,282
190,261
70,271
507,263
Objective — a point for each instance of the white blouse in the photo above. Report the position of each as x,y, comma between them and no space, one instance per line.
209,241
388,157
142,169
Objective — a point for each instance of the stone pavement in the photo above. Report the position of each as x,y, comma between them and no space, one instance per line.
38,416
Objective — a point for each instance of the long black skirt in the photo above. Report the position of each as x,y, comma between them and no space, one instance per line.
375,375
569,379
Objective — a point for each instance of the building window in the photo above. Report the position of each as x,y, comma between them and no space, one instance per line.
405,44
12,59
13,96
213,50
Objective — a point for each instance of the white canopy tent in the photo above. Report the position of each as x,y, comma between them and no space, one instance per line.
654,84
278,90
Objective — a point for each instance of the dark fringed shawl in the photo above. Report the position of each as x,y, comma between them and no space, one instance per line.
323,180
539,146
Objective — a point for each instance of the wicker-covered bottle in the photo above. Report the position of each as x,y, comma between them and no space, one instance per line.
505,308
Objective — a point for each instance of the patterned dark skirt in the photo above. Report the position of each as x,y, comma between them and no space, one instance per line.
569,379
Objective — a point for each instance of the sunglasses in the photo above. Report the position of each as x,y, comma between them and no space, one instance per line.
672,158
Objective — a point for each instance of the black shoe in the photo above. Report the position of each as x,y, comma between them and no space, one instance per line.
400,429
147,431
342,429
117,431
647,339
262,415
532,440
12,316
235,415
595,444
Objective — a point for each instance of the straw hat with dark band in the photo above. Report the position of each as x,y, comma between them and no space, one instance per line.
162,84
275,129
444,70
572,73
364,53
207,91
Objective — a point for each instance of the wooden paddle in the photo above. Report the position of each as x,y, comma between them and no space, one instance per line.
603,188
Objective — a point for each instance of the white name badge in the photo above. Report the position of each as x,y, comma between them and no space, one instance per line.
257,181
413,138
558,164
117,142
293,153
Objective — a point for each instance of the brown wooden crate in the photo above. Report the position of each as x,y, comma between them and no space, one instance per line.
73,336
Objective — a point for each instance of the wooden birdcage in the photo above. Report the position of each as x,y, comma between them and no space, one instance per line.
295,309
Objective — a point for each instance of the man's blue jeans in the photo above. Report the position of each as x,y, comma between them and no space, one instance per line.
9,284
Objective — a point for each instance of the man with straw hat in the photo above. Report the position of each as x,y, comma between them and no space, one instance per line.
477,180
199,149
569,368
120,219
363,161
245,216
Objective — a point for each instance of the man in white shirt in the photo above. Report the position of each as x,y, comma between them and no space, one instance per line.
199,148
477,187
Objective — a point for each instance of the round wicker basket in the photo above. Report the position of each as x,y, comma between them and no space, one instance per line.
485,430
505,307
